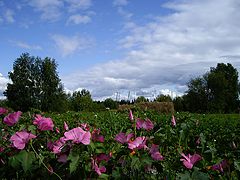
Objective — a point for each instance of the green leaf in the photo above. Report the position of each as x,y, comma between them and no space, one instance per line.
26,159
14,162
237,165
74,158
135,164
197,175
183,176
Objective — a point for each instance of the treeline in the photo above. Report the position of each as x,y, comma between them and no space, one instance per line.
35,85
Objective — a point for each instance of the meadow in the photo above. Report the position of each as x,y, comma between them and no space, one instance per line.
119,145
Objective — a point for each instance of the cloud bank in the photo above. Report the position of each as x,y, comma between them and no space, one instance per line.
167,52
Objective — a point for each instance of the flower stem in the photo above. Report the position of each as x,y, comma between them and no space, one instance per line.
38,156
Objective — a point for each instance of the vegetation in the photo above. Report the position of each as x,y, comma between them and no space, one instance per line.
146,146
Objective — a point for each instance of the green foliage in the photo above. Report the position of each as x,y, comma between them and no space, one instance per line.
81,101
110,103
35,84
141,99
216,91
163,98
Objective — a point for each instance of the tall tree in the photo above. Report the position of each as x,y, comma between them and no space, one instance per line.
21,93
52,89
82,100
222,83
196,98
215,91
35,84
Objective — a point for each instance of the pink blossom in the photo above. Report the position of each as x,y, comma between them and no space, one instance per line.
65,126
173,121
138,143
219,167
85,126
190,160
12,118
62,158
147,124
130,115
78,135
2,149
155,154
98,169
123,138
57,130
103,157
44,124
19,139
96,136
57,146
3,111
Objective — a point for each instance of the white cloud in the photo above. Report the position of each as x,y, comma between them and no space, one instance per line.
124,13
167,52
120,2
68,45
9,16
50,10
75,5
79,19
53,10
3,85
25,45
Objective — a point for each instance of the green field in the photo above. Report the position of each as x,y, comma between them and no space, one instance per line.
215,137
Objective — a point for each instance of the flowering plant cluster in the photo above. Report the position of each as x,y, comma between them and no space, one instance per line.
37,146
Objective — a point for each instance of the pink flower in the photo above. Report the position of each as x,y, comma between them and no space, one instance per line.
57,130
85,126
138,143
12,118
78,135
3,111
96,136
190,160
123,138
219,167
98,170
147,124
103,157
44,124
57,146
20,139
65,126
2,149
130,115
173,121
155,154
62,158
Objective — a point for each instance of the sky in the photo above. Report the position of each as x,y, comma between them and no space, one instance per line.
122,48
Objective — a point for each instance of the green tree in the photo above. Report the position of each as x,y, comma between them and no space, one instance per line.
82,100
215,91
179,104
35,84
110,103
222,83
52,95
141,99
21,93
163,98
196,99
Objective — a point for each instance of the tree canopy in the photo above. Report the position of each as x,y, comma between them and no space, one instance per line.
216,91
35,84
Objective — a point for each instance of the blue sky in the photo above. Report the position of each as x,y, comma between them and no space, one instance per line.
145,47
